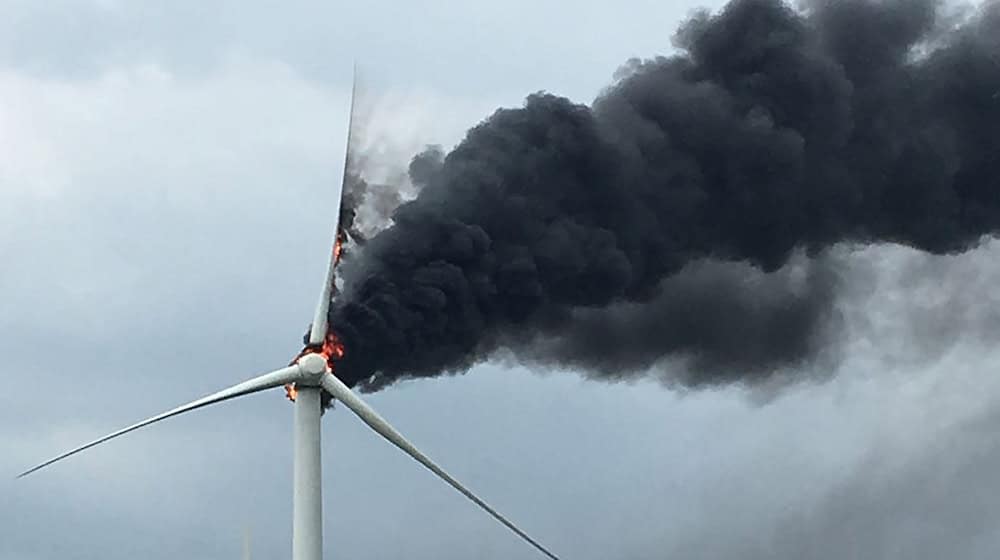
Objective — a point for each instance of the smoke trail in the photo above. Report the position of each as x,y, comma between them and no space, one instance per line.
374,185
596,236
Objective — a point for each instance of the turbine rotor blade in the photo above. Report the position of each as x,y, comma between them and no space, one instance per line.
367,414
257,384
318,329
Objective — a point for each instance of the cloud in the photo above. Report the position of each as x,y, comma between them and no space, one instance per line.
912,479
157,240
474,49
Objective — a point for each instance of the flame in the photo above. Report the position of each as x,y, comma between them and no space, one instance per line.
338,249
332,349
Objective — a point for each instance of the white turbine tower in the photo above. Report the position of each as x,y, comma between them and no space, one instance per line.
309,375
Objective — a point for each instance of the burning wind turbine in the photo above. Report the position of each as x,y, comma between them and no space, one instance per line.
305,379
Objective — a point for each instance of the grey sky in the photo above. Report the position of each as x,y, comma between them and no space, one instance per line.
164,182
471,47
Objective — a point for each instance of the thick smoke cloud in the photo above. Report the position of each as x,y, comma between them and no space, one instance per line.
722,321
597,236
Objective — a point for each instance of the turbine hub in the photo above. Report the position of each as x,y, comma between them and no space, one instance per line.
313,366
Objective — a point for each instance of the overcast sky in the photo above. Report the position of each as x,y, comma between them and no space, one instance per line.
166,180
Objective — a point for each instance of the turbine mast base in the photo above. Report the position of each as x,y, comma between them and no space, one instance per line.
307,496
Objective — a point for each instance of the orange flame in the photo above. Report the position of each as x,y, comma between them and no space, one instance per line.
338,249
332,349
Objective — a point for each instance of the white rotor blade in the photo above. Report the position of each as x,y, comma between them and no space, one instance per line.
317,332
368,415
260,383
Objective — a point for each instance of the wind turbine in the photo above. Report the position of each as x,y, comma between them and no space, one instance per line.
305,379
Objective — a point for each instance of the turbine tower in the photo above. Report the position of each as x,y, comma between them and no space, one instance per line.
306,378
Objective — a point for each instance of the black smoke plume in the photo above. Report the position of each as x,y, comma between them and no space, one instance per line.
598,237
